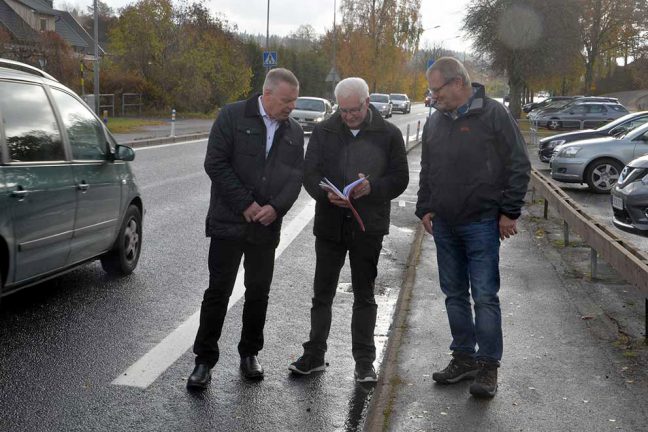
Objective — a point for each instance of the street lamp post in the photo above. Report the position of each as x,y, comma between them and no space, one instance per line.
268,33
96,53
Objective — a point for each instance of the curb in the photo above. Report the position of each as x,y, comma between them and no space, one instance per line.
165,140
380,405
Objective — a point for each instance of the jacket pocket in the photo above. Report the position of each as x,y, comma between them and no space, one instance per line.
249,141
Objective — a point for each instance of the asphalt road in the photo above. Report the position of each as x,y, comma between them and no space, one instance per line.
69,345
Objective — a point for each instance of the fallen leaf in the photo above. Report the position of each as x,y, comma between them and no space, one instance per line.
612,420
531,388
585,401
444,413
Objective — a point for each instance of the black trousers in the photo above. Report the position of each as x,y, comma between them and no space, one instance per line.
224,260
364,251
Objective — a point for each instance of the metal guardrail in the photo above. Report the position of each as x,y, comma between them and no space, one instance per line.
630,263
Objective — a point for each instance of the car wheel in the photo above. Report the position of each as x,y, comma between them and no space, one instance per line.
122,259
602,174
554,124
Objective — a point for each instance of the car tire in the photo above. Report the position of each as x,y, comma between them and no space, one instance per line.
554,124
602,174
122,259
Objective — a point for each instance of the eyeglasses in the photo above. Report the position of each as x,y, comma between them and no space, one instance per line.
437,90
355,110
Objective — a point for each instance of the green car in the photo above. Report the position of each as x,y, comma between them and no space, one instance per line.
67,193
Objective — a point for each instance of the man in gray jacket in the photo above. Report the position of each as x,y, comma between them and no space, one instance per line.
254,159
474,176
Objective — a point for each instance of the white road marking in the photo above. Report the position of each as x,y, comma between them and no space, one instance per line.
149,367
168,144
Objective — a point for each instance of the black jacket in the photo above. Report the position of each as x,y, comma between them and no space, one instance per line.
474,166
241,174
333,152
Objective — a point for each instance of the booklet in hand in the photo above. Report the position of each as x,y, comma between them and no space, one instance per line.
345,195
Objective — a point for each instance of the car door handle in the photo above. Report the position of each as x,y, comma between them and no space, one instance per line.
19,193
83,186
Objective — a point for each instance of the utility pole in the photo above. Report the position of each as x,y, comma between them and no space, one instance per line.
333,76
96,53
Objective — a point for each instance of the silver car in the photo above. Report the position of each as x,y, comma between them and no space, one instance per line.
382,103
630,197
581,115
400,102
311,110
598,162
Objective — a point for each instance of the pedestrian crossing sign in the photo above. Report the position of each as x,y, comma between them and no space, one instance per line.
269,58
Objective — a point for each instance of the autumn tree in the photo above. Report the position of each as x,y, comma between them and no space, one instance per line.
59,59
528,40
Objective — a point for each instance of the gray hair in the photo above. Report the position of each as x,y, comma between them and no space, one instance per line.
450,68
353,86
278,75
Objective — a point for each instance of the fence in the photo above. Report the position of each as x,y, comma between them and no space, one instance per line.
131,100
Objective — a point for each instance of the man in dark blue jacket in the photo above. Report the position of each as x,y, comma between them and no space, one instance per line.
355,142
474,176
254,159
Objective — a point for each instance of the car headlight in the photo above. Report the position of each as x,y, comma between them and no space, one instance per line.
318,119
554,143
569,152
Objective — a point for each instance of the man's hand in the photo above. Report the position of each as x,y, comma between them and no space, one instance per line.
507,227
336,200
362,189
427,222
266,215
251,211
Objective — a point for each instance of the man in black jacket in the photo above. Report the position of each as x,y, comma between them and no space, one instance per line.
353,143
254,159
474,176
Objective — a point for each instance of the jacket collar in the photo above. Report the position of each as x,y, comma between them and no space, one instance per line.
252,109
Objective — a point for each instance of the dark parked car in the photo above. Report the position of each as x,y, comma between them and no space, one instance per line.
617,127
539,105
400,102
311,110
67,193
629,197
580,115
382,103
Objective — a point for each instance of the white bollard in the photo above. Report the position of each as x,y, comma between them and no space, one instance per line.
173,116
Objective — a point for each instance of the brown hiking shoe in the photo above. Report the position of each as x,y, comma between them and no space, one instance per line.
460,368
485,385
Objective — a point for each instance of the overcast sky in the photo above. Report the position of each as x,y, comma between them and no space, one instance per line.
287,15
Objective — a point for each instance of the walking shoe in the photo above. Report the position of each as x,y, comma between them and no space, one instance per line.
485,385
460,368
199,378
307,364
365,372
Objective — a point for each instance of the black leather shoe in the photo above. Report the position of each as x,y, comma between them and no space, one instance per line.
251,368
199,378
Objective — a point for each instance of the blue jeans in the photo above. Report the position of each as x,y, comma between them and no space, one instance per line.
468,260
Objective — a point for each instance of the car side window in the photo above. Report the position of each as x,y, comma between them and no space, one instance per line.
85,132
30,126
597,109
579,109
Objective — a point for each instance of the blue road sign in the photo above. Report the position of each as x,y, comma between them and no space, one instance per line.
269,58
429,63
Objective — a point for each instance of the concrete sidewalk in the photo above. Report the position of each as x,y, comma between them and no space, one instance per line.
560,371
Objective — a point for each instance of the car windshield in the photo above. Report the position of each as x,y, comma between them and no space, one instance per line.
379,98
617,122
558,104
398,97
309,105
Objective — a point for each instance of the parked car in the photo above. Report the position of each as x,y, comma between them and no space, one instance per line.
67,192
568,103
598,161
629,197
382,103
311,110
580,115
617,127
400,102
539,105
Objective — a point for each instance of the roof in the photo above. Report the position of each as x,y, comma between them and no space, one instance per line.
74,26
15,24
39,6
66,29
